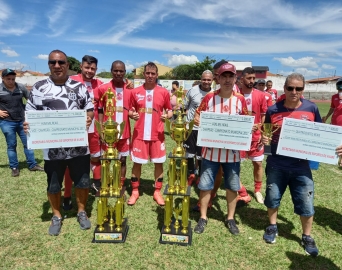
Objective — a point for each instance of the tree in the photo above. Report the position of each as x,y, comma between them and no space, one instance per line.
105,74
130,75
193,71
74,64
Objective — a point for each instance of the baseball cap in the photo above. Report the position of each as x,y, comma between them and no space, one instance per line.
262,81
226,67
8,71
339,84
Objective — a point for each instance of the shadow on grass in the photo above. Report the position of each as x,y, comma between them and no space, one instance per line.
300,261
326,217
22,164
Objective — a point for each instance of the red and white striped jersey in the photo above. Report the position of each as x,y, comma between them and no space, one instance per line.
120,104
150,104
235,105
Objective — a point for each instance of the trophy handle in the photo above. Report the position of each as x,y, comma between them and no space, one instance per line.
122,126
188,132
276,126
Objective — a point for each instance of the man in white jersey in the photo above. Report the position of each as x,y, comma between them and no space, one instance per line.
149,106
193,99
224,100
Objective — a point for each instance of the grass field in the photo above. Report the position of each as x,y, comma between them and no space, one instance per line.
25,217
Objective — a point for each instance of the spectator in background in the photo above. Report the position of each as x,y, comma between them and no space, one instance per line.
261,86
336,106
271,91
12,115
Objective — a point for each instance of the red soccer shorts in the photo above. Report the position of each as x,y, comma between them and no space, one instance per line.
256,153
94,144
143,150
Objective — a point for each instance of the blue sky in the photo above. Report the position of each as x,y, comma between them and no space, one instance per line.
303,36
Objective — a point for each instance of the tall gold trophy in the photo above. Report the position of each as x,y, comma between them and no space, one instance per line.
267,130
112,227
177,231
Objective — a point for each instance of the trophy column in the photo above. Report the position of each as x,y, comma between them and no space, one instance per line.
177,227
112,227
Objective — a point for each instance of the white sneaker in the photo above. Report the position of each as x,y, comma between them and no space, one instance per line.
259,198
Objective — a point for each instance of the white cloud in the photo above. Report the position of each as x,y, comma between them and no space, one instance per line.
13,65
307,73
326,66
9,52
94,51
307,62
175,60
58,22
42,56
129,67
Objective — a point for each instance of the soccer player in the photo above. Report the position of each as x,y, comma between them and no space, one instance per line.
336,106
271,91
268,96
149,106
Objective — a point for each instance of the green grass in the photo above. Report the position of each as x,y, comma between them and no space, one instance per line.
25,217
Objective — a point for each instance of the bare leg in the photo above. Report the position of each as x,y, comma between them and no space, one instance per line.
55,202
272,215
81,198
306,224
231,203
158,171
204,200
136,170
123,166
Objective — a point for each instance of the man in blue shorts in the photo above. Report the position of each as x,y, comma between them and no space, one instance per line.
283,171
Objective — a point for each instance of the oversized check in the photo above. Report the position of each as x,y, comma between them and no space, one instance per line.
309,140
55,129
225,131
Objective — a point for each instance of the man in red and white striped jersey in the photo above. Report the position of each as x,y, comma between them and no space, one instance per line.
223,100
149,106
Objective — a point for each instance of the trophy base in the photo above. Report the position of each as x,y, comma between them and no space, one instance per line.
187,191
267,150
109,235
176,236
122,192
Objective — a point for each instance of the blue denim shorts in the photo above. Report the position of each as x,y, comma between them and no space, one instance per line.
301,187
231,172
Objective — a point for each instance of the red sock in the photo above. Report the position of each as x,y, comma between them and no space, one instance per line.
67,184
242,191
96,168
257,186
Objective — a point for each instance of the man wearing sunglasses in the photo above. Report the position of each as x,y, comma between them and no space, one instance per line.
12,118
60,92
283,171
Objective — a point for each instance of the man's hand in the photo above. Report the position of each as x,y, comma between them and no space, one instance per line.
265,139
129,84
255,127
133,114
163,117
89,120
3,114
324,118
26,127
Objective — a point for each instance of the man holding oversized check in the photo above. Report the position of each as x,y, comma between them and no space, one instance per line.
59,92
217,111
283,171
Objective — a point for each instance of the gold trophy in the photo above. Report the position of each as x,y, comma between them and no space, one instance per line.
177,231
267,130
112,227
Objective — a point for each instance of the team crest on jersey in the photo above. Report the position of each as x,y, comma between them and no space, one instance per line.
248,101
304,117
226,108
140,97
119,96
149,98
72,96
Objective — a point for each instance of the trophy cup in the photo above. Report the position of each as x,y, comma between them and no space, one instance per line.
112,227
268,130
177,231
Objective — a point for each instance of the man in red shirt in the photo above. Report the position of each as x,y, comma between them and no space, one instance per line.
149,106
120,88
271,91
256,105
268,96
88,71
336,106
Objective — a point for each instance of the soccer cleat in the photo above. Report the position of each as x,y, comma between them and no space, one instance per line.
191,179
156,195
259,198
309,245
135,193
270,234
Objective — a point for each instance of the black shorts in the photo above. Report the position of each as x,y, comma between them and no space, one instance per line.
79,168
191,147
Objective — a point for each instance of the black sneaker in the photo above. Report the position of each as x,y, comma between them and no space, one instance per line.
55,227
309,245
270,234
199,228
15,172
231,225
82,218
67,204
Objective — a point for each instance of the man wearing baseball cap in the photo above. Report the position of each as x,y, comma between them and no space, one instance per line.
212,158
11,120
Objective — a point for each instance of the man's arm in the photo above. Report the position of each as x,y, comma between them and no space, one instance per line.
90,116
325,118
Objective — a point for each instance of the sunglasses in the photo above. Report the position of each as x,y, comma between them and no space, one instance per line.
60,62
291,88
